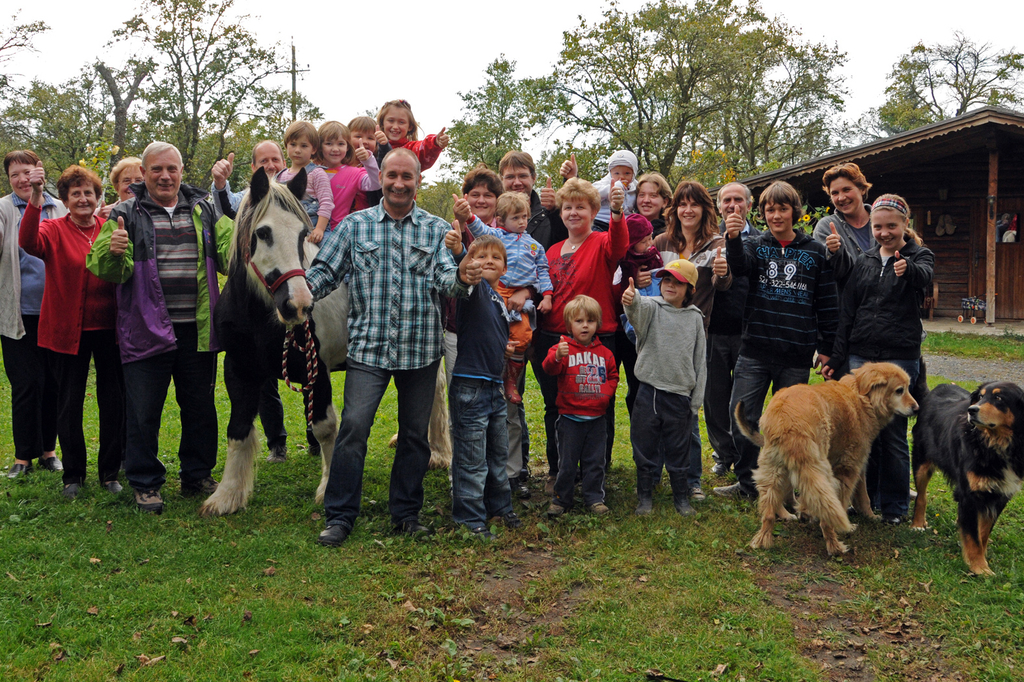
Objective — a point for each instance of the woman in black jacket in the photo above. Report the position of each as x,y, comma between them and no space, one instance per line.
880,321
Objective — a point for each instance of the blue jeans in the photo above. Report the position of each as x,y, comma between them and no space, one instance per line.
145,382
364,389
480,488
750,381
888,473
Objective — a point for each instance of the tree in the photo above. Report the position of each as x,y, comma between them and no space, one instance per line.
209,72
123,97
17,37
932,83
496,116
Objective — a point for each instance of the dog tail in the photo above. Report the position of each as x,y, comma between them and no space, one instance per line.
751,432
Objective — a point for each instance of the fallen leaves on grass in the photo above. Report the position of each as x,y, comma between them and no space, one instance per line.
720,669
44,625
146,660
269,571
254,652
12,577
247,616
366,628
409,606
94,560
179,640
93,610
191,620
314,516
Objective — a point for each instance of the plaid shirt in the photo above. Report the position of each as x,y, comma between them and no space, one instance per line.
396,272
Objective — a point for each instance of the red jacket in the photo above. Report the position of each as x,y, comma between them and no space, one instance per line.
587,377
589,270
426,150
74,299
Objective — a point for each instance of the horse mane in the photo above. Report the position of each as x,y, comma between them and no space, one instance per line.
250,215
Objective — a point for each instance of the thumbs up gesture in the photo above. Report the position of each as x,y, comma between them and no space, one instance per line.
734,224
547,196
222,171
461,209
119,239
563,350
899,266
569,169
629,294
37,176
453,239
380,136
720,266
361,154
617,197
833,241
443,139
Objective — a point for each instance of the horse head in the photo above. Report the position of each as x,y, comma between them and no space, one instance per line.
270,242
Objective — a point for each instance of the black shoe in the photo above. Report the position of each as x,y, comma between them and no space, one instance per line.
737,491
113,487
519,488
413,528
71,490
19,469
511,520
149,501
278,454
720,469
682,505
483,533
892,519
205,486
332,536
50,464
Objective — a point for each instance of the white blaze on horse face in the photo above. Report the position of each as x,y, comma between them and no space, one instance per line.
280,237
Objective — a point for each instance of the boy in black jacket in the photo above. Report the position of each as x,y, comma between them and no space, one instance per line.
791,303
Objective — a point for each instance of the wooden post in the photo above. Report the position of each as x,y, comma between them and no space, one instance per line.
990,233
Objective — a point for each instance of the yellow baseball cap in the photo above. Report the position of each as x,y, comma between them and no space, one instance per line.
682,269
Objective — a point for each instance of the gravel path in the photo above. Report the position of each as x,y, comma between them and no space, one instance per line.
973,369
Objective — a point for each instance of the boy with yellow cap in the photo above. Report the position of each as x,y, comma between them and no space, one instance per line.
671,368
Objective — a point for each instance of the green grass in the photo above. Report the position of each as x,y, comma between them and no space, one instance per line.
1009,346
579,599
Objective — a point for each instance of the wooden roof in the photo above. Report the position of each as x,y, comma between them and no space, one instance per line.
972,130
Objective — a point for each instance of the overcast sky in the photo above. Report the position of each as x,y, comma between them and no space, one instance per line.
432,55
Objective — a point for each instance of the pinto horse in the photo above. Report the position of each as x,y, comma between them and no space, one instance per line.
265,296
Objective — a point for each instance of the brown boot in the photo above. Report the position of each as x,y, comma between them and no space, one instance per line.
513,370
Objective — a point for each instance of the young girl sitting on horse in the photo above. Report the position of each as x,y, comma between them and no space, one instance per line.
303,143
337,155
396,120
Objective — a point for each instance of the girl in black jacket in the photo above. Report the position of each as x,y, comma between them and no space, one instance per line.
880,321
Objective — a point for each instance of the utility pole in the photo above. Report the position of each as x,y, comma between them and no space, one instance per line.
295,71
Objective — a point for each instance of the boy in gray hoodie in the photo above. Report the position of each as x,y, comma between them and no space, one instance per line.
671,367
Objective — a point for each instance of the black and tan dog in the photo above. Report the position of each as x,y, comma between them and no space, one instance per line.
977,441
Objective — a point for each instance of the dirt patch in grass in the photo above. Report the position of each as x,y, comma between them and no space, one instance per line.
847,647
516,613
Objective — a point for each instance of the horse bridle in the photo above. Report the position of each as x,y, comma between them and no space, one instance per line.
272,288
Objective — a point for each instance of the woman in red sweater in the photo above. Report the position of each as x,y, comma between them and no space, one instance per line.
77,323
582,264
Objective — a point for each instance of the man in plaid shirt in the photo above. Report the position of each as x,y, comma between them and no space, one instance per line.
397,264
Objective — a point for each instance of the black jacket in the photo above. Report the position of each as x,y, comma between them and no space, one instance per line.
792,299
880,316
727,315
545,226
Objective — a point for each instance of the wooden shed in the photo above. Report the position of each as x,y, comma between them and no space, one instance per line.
964,181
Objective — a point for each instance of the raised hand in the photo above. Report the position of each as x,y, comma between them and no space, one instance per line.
899,266
833,241
617,197
443,139
720,266
461,209
471,271
380,136
222,171
734,224
563,350
569,169
361,154
629,294
119,239
103,210
547,196
37,176
453,240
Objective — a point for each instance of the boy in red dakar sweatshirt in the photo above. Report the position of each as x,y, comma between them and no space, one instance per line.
587,379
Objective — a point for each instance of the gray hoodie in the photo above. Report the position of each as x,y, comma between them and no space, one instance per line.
670,347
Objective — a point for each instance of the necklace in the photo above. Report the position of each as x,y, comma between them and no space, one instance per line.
81,231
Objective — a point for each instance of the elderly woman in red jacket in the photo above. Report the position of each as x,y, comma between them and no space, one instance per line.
77,323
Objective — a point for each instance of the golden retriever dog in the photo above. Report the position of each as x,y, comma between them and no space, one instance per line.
817,439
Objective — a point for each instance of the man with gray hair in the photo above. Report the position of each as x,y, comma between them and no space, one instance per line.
164,249
724,331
